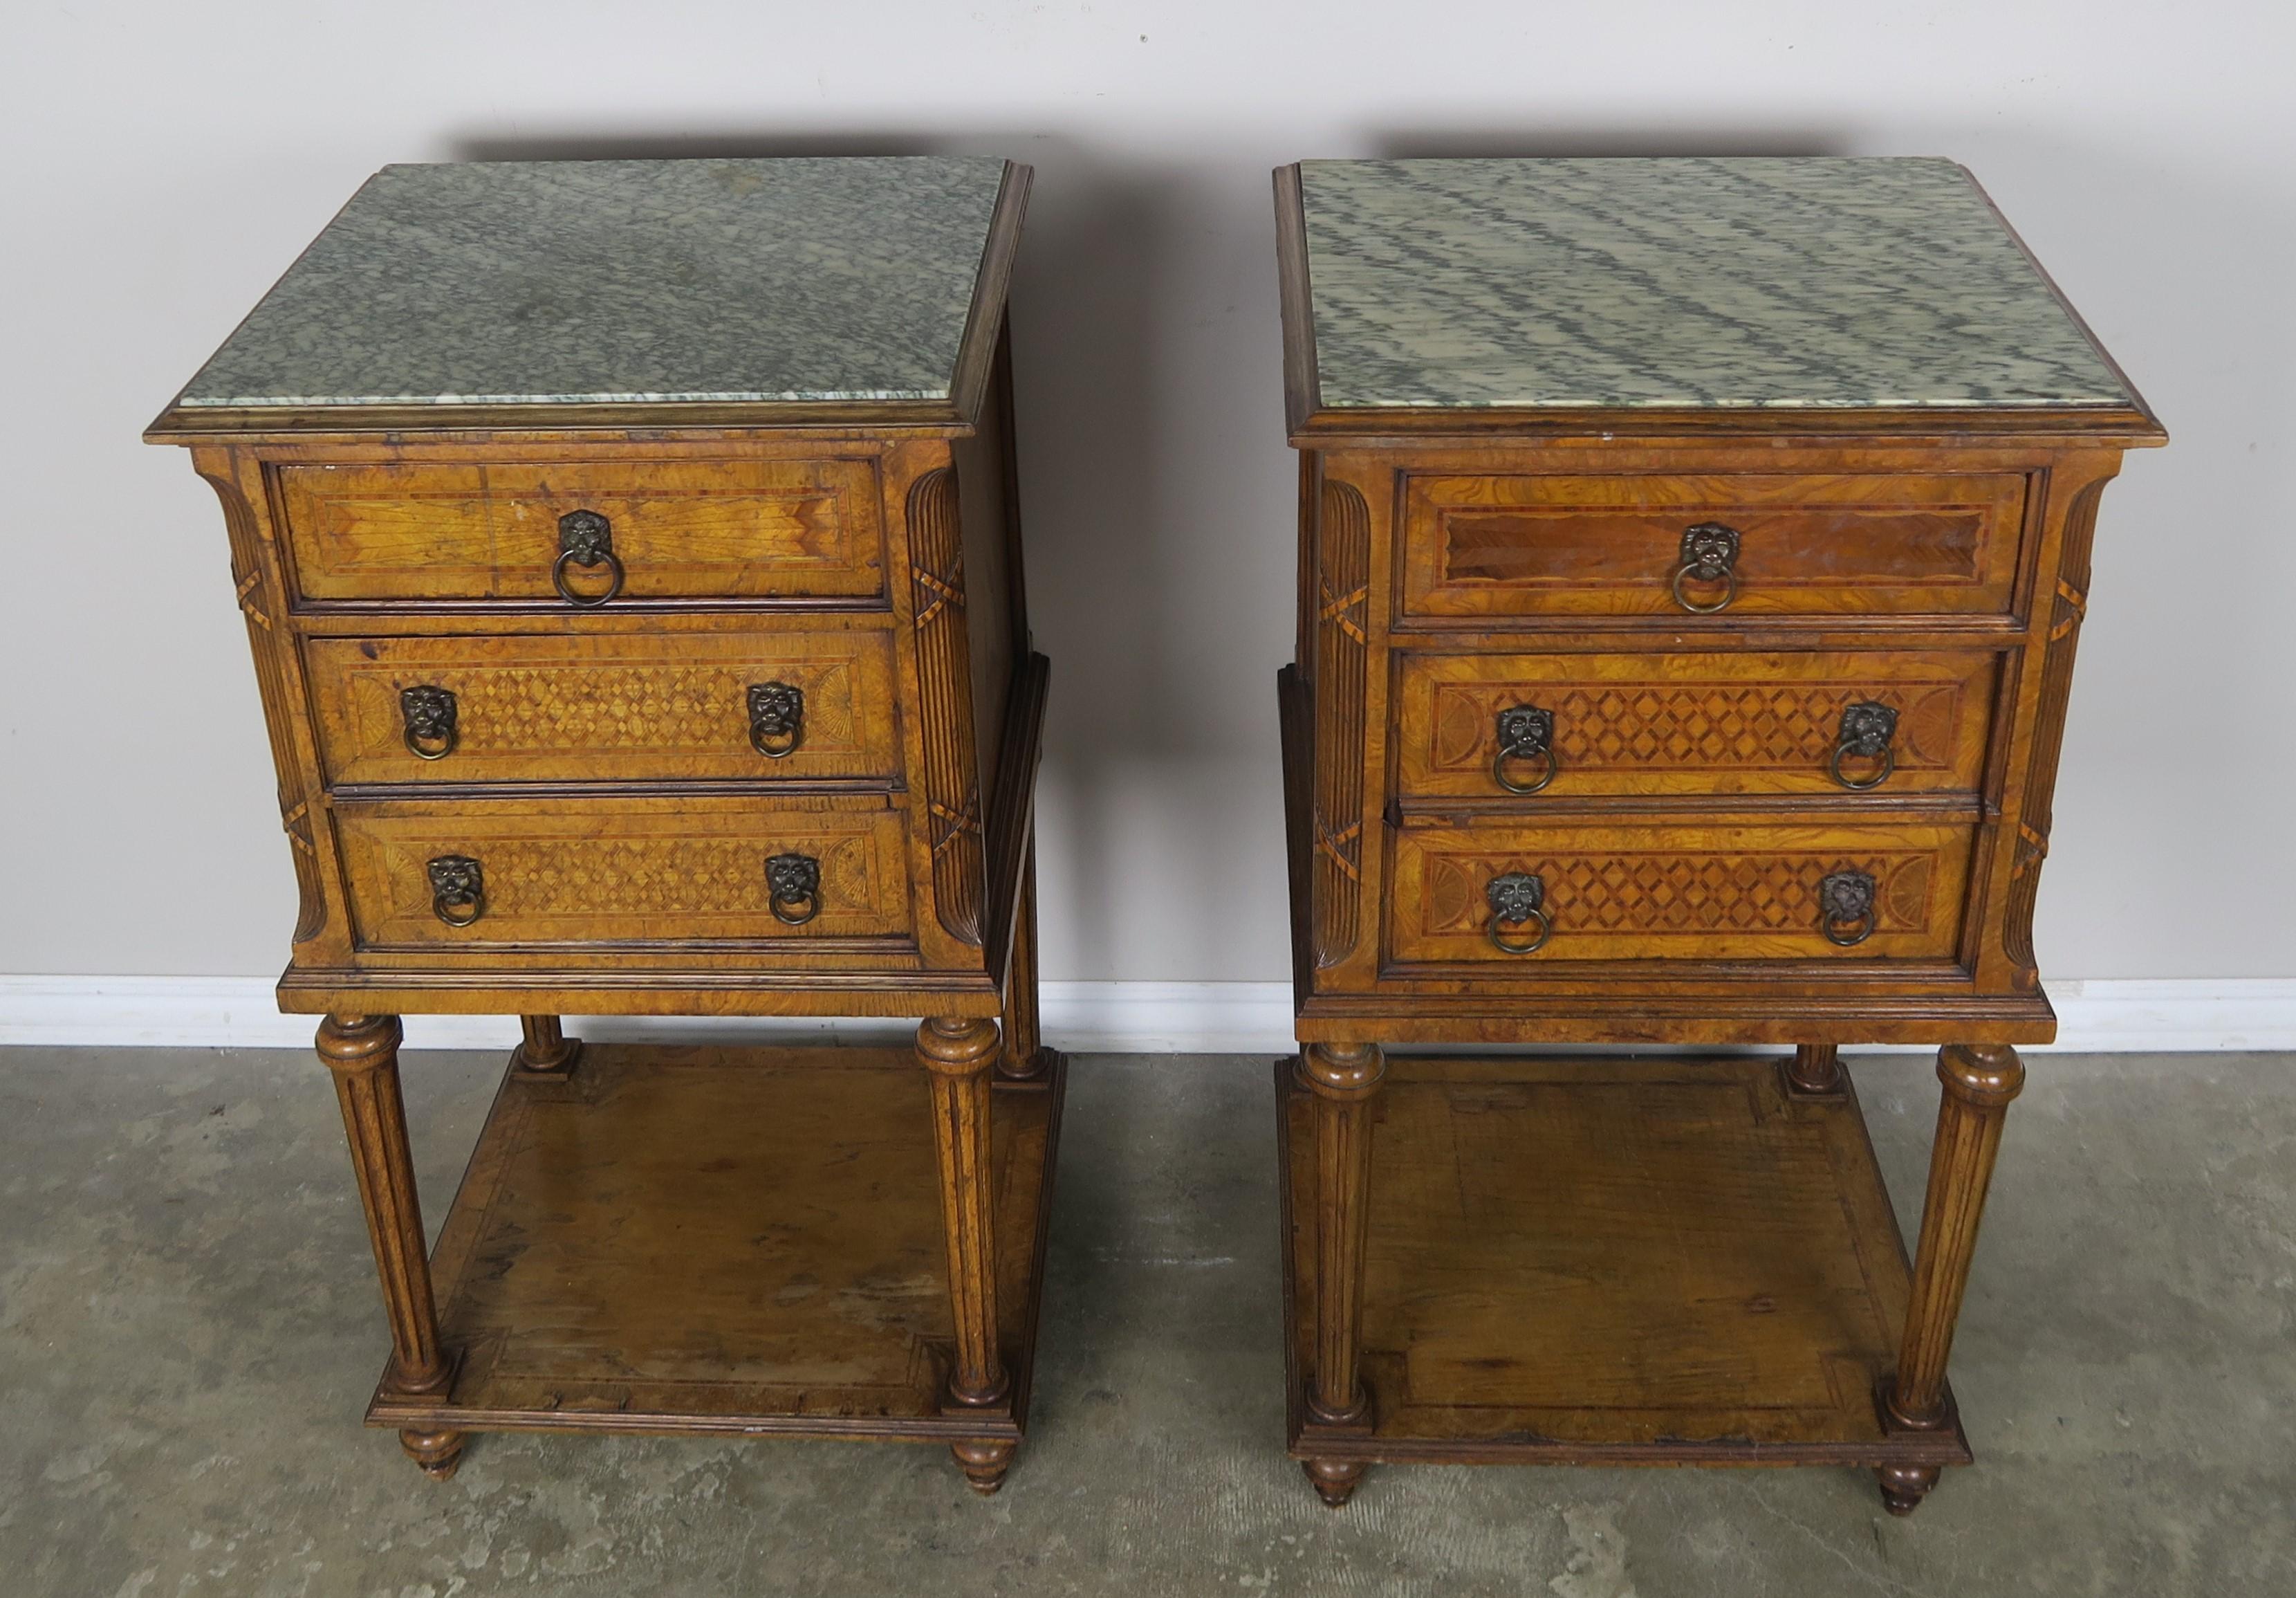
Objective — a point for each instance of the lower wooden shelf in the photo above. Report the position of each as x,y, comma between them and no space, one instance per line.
728,1239
1611,1261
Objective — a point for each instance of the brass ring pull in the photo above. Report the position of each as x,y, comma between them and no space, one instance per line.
427,719
793,885
458,889
1517,898
1866,731
1709,554
1846,907
585,539
1525,732
776,719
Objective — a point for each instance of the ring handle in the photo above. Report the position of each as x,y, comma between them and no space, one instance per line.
793,886
458,889
1709,554
1525,732
585,539
426,715
1517,898
776,719
1846,901
1866,730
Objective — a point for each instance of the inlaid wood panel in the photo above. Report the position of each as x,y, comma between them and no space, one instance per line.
1675,893
623,871
1605,1258
584,708
755,1237
1341,668
1692,723
1490,546
682,528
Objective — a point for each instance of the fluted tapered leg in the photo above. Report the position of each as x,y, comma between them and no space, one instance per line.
958,1055
1816,1069
1344,1079
362,1052
1979,1081
546,1050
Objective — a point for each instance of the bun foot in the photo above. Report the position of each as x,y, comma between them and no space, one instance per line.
1334,1480
984,1463
1904,1486
438,1453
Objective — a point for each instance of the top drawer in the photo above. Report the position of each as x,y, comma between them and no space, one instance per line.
1741,545
676,528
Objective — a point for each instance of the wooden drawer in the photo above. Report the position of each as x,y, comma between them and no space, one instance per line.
607,706
681,529
1685,893
1494,546
630,872
1677,723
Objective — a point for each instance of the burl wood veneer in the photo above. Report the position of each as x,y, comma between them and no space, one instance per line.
631,557
1693,556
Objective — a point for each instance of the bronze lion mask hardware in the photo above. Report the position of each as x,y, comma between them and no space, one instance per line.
1525,732
1709,555
587,540
427,715
1845,907
1866,731
1517,898
793,884
458,889
776,719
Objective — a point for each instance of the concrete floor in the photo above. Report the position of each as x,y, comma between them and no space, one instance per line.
189,1329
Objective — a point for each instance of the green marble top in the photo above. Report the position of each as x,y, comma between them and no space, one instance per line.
1791,282
517,283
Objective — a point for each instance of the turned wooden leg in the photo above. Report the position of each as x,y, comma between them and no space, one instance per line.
363,1053
958,1054
1815,1069
547,1050
984,1464
1024,1058
1980,1082
1335,1481
1344,1079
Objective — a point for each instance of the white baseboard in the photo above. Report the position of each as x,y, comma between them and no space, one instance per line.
1103,1018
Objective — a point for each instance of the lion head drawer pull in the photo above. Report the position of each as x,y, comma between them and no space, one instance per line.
428,714
1525,732
1709,555
1845,907
1867,730
1518,899
776,719
587,540
458,889
793,882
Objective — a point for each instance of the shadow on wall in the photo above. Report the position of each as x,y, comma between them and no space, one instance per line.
1115,585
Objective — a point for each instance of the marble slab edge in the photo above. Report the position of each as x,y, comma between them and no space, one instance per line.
955,416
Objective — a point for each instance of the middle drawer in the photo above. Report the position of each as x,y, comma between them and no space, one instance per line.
1571,725
798,702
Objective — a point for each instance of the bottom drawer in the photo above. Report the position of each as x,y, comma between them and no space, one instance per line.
633,872
1549,892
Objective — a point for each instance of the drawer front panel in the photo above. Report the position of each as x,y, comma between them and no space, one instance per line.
681,530
607,707
1675,723
624,872
1675,893
1492,547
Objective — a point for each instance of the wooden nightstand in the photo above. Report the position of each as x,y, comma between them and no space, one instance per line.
631,556
1693,556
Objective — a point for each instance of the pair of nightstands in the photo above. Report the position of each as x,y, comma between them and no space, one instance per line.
1691,558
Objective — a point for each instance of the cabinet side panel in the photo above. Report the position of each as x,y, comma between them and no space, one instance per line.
991,539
